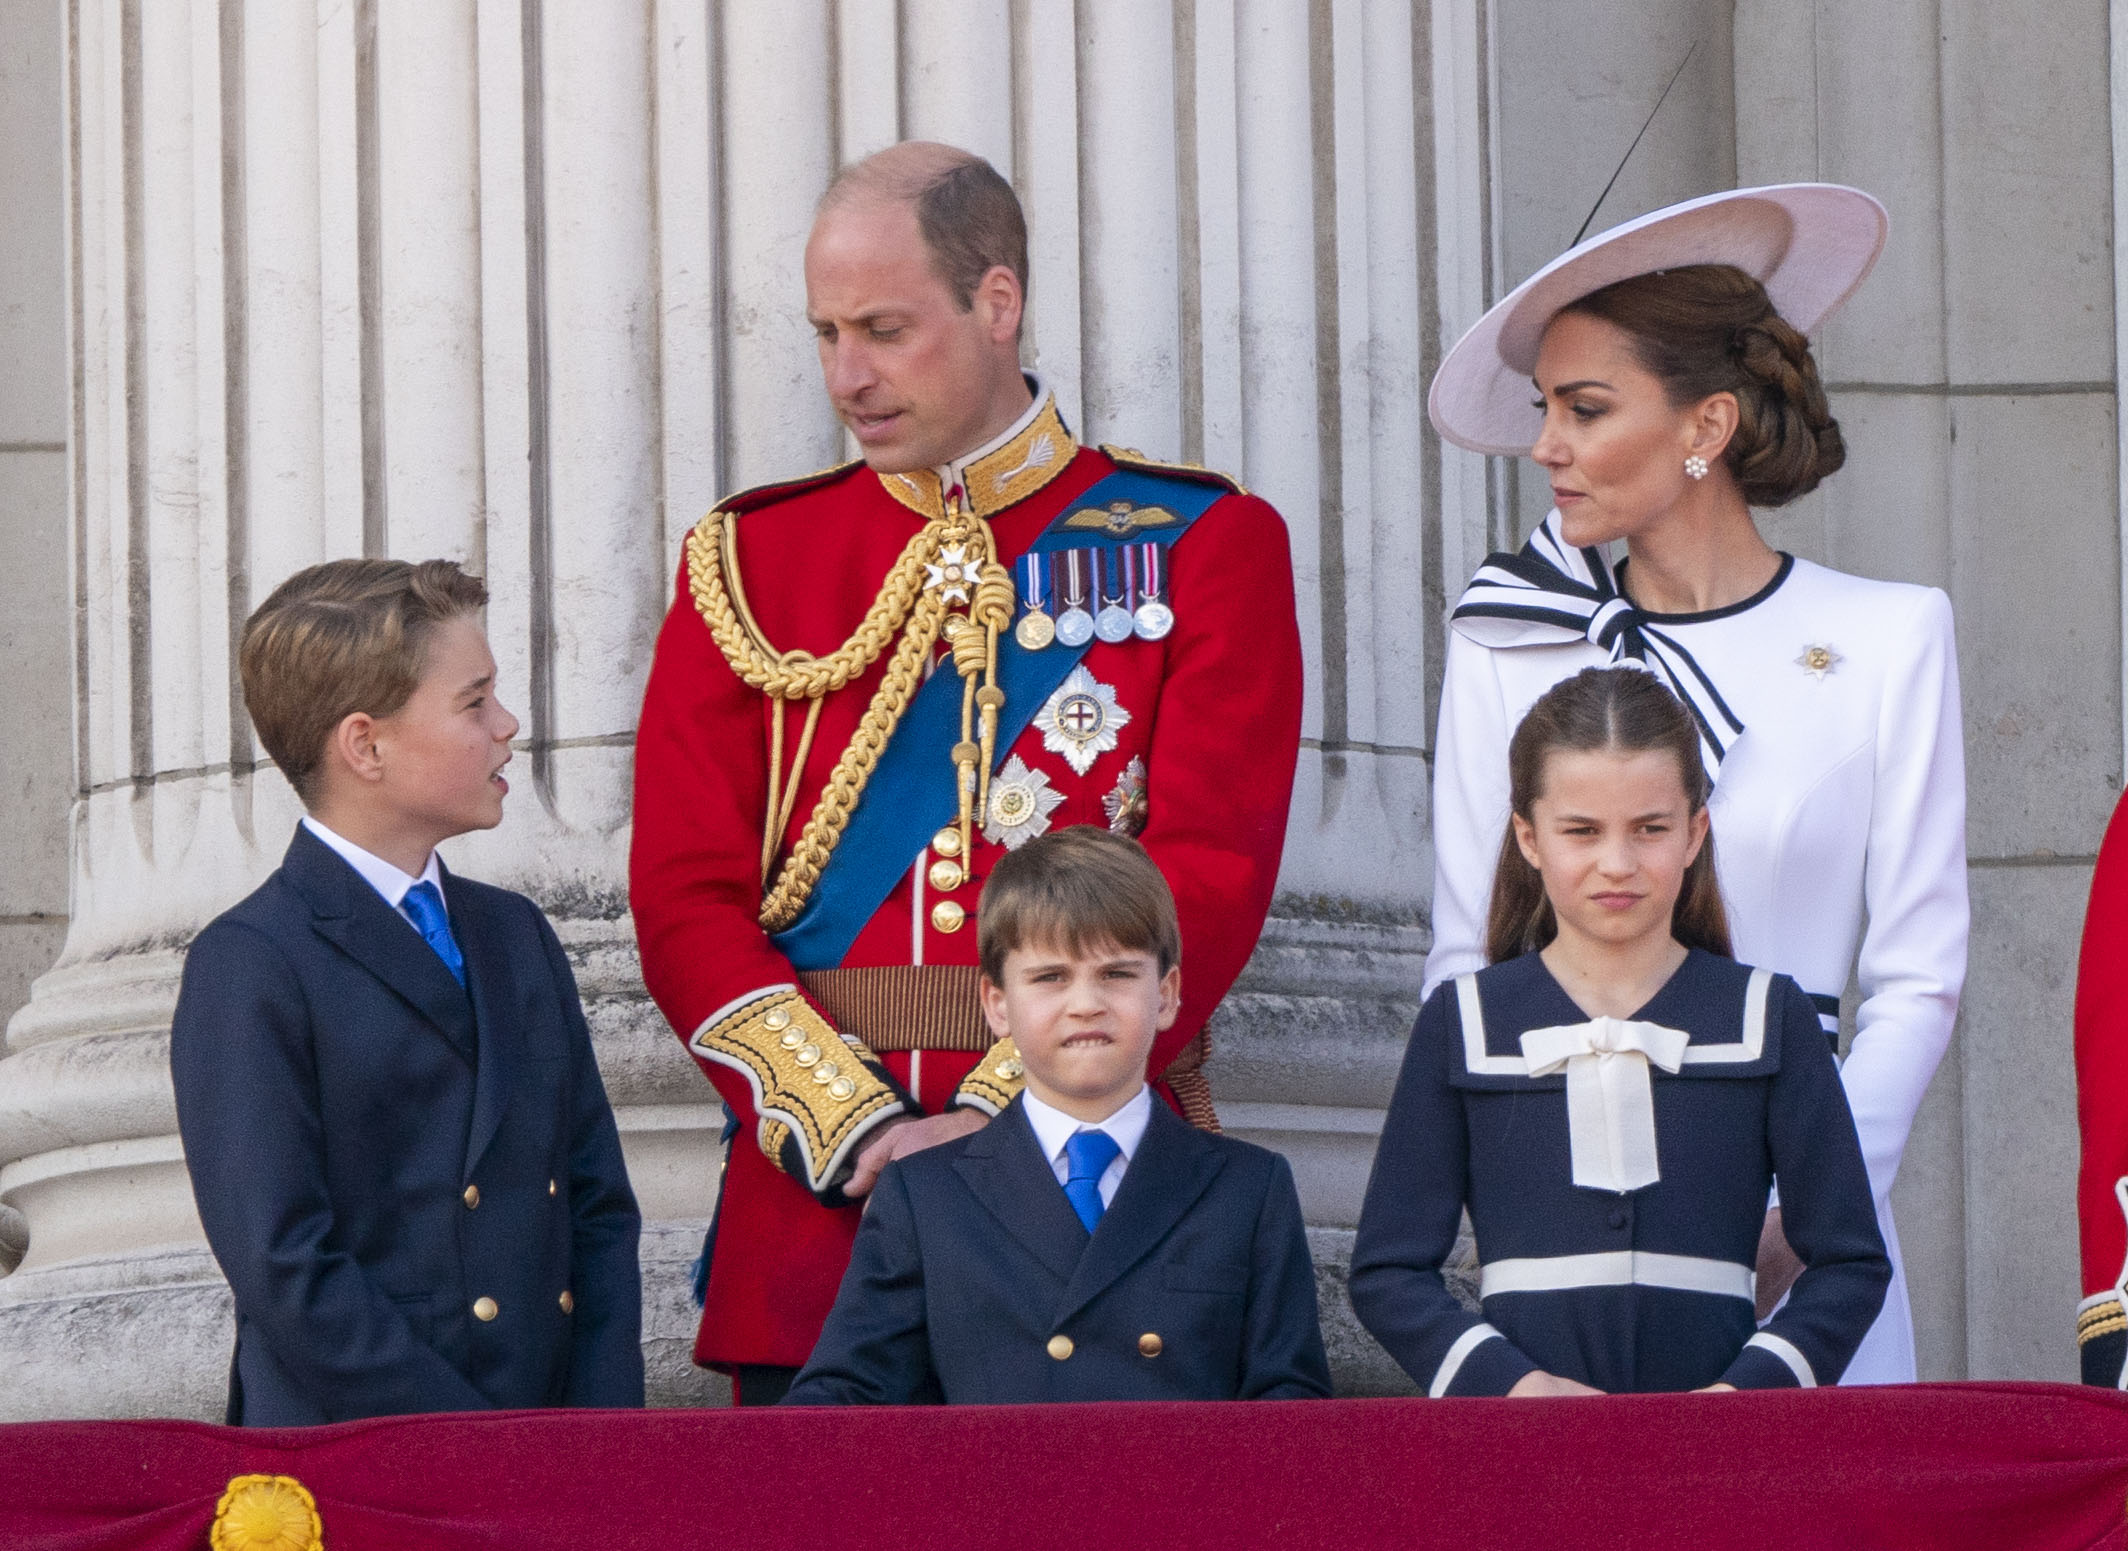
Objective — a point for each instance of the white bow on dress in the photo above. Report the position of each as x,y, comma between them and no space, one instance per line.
1610,1104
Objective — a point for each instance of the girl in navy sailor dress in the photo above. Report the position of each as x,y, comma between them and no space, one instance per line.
1611,1101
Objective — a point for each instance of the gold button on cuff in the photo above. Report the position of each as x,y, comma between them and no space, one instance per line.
1011,1071
792,1039
807,1055
842,1088
484,1309
1149,1344
472,1196
1060,1347
826,1072
947,875
569,1307
947,842
948,916
776,1018
550,1188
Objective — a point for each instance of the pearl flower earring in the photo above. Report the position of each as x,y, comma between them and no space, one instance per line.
1696,466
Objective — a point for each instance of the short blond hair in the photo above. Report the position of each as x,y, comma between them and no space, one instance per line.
1079,889
342,637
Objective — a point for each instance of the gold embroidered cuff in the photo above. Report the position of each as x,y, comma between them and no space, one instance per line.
818,1093
995,1082
2102,1314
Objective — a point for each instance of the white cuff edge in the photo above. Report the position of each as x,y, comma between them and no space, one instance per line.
733,1006
1452,1364
1785,1350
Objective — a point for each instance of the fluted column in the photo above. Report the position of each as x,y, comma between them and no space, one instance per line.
518,282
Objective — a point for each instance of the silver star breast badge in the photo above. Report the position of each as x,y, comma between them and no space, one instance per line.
1080,721
1021,801
1817,661
953,574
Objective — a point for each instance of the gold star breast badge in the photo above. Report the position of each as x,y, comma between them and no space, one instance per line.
1818,660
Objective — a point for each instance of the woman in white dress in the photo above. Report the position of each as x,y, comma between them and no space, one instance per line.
1674,390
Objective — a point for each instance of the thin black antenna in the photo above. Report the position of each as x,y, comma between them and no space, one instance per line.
1621,167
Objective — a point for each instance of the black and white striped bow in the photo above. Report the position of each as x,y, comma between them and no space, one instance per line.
1550,593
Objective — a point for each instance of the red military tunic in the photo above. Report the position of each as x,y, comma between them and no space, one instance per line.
2102,1110
1213,724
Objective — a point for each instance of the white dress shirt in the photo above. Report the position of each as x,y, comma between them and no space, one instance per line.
1053,1128
389,881
1839,830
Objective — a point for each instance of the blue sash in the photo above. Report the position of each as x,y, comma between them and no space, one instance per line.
911,796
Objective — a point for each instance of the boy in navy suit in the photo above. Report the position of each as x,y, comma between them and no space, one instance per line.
1087,1244
401,1150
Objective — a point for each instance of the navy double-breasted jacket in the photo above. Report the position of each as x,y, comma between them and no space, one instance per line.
415,1188
973,1280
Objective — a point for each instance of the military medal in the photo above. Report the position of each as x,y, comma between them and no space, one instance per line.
1080,721
1113,623
1035,629
1153,619
1075,624
1126,804
1021,801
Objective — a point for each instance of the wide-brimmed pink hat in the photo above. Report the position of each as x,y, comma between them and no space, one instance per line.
1809,244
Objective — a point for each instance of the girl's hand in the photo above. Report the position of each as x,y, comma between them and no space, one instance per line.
1541,1383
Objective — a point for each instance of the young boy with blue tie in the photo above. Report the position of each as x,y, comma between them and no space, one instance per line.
402,1153
1087,1244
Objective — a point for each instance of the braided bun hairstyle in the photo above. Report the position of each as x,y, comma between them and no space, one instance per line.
1710,328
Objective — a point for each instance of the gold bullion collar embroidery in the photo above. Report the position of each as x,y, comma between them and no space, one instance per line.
1029,455
1080,721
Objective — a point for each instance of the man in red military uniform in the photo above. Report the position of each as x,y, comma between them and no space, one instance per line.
2102,1114
876,680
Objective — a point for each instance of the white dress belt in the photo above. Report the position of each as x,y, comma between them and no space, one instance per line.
1619,1268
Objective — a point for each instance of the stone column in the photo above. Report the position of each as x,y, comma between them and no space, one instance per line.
516,281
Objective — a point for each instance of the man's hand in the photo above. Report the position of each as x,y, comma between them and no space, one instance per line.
1779,1265
1539,1383
898,1138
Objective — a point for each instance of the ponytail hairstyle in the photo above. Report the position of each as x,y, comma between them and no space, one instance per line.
1703,329
1607,710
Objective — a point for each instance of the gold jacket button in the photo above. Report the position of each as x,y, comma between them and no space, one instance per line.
1060,1347
776,1018
472,1196
484,1309
947,875
948,916
947,842
569,1307
550,1188
1149,1344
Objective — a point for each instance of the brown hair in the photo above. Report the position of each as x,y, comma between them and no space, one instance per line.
1710,328
970,217
1613,710
1079,889
342,637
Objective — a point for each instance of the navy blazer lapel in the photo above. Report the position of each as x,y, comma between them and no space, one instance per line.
347,912
501,1040
1174,1165
1003,1167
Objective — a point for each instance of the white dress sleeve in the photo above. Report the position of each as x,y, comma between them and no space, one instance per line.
1912,964
1470,807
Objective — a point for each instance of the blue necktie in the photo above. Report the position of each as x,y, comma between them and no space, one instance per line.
424,907
1087,1156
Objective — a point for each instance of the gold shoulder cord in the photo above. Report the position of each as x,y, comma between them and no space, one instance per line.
952,559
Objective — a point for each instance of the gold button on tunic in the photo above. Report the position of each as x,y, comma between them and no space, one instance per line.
1060,1347
485,1309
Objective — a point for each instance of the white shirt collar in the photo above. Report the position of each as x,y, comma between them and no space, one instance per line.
951,475
386,879
1053,1128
